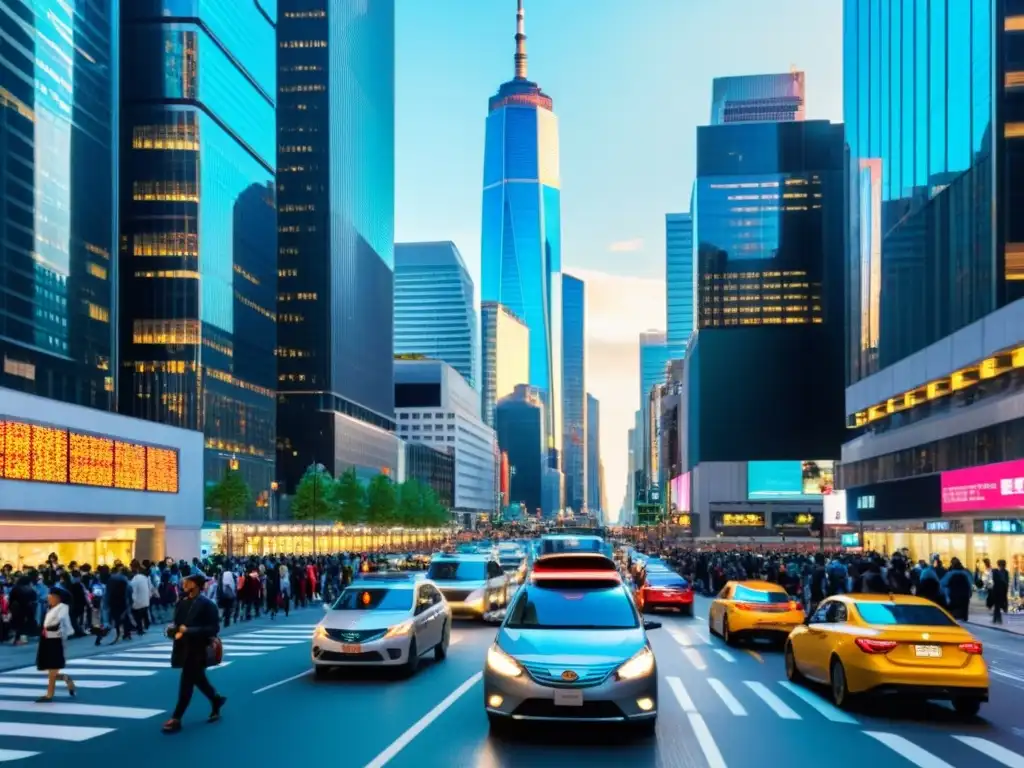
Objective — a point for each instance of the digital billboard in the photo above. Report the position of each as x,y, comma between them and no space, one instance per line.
835,508
680,487
988,488
789,480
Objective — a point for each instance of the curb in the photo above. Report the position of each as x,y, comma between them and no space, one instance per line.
995,628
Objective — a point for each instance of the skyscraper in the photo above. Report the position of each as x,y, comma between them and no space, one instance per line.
574,392
654,357
336,127
593,454
678,281
434,312
520,423
500,373
58,225
521,250
758,98
198,263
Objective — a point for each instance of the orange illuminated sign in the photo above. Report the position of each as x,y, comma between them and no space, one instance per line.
45,454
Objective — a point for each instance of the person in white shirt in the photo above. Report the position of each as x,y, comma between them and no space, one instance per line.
57,628
142,592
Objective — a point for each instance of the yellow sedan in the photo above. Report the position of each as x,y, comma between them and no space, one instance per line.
889,644
753,609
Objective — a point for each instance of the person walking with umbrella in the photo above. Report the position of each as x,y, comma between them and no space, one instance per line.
57,627
196,646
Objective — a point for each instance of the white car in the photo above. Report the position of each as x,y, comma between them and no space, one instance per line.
388,621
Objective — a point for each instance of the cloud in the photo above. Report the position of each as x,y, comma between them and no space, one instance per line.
626,246
619,307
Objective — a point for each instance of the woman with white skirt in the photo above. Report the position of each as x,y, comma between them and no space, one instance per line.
57,628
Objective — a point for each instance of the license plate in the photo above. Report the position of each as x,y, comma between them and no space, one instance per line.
568,698
928,651
352,648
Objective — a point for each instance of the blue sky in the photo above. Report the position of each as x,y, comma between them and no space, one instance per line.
631,80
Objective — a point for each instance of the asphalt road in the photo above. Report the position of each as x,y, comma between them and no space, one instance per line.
718,707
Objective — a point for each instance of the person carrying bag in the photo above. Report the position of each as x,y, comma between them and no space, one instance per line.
196,647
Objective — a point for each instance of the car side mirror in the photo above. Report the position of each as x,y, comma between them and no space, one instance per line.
649,625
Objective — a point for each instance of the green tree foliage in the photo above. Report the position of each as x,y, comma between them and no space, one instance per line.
411,504
351,498
381,502
230,496
315,497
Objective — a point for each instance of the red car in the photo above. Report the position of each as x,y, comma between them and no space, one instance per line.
663,589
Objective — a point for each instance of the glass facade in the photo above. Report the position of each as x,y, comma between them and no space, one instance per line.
434,313
932,240
758,98
501,329
574,392
678,281
335,135
198,264
58,225
767,212
654,357
520,424
432,467
594,501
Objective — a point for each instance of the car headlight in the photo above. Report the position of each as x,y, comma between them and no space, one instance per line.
476,596
399,630
500,662
320,633
641,665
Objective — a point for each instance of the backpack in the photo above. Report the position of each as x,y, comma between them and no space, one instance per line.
227,588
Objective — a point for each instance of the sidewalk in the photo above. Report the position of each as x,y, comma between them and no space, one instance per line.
12,657
981,616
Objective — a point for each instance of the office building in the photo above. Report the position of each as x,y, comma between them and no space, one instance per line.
679,277
58,226
434,467
434,312
935,260
198,264
501,372
520,248
593,439
335,131
771,98
574,393
654,357
520,424
436,406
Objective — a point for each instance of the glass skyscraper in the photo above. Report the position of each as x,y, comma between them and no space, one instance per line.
654,357
594,501
574,392
501,373
434,312
58,226
198,264
519,422
335,134
521,250
679,277
758,98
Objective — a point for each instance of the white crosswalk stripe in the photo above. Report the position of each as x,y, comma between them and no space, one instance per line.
121,664
725,655
680,637
50,731
694,657
816,702
908,750
97,671
998,753
778,705
731,702
82,710
10,755
97,684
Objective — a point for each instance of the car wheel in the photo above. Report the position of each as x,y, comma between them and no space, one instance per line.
967,708
321,673
441,649
711,623
841,696
645,729
687,611
792,671
727,635
413,662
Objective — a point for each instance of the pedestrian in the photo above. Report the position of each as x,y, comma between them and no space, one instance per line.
998,594
195,629
141,593
57,628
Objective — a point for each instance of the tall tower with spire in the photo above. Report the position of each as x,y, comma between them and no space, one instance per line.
521,243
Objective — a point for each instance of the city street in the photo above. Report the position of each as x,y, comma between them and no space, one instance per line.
719,707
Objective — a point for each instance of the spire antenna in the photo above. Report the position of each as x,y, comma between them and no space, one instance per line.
520,42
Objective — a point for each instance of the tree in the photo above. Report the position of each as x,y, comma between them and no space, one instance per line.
410,504
351,497
230,496
315,496
381,501
435,514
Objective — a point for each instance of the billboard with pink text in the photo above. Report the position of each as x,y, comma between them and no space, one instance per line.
988,488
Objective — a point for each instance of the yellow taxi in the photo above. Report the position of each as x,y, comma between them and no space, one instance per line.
889,644
754,609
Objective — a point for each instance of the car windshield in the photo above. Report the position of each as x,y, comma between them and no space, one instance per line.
374,599
747,595
572,608
551,546
666,580
895,613
457,570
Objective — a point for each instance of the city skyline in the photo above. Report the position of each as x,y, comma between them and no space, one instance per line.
613,235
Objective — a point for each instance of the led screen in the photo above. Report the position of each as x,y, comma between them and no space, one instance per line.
988,488
789,480
681,492
835,508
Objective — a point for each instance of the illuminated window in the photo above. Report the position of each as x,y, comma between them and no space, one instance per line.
91,460
165,191
250,277
165,332
169,274
49,454
179,136
1013,130
19,368
97,271
102,314
184,244
130,466
305,14
17,451
303,44
246,301
302,88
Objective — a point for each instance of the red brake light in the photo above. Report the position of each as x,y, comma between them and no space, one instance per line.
609,576
794,605
746,606
973,647
869,645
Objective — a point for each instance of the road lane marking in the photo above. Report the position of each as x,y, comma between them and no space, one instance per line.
834,714
75,671
4,681
423,723
908,750
10,755
706,741
122,664
998,753
278,641
694,656
778,705
680,693
164,657
755,655
723,693
297,634
29,693
680,638
702,635
54,732
1006,675
221,665
725,655
84,710
252,647
282,682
